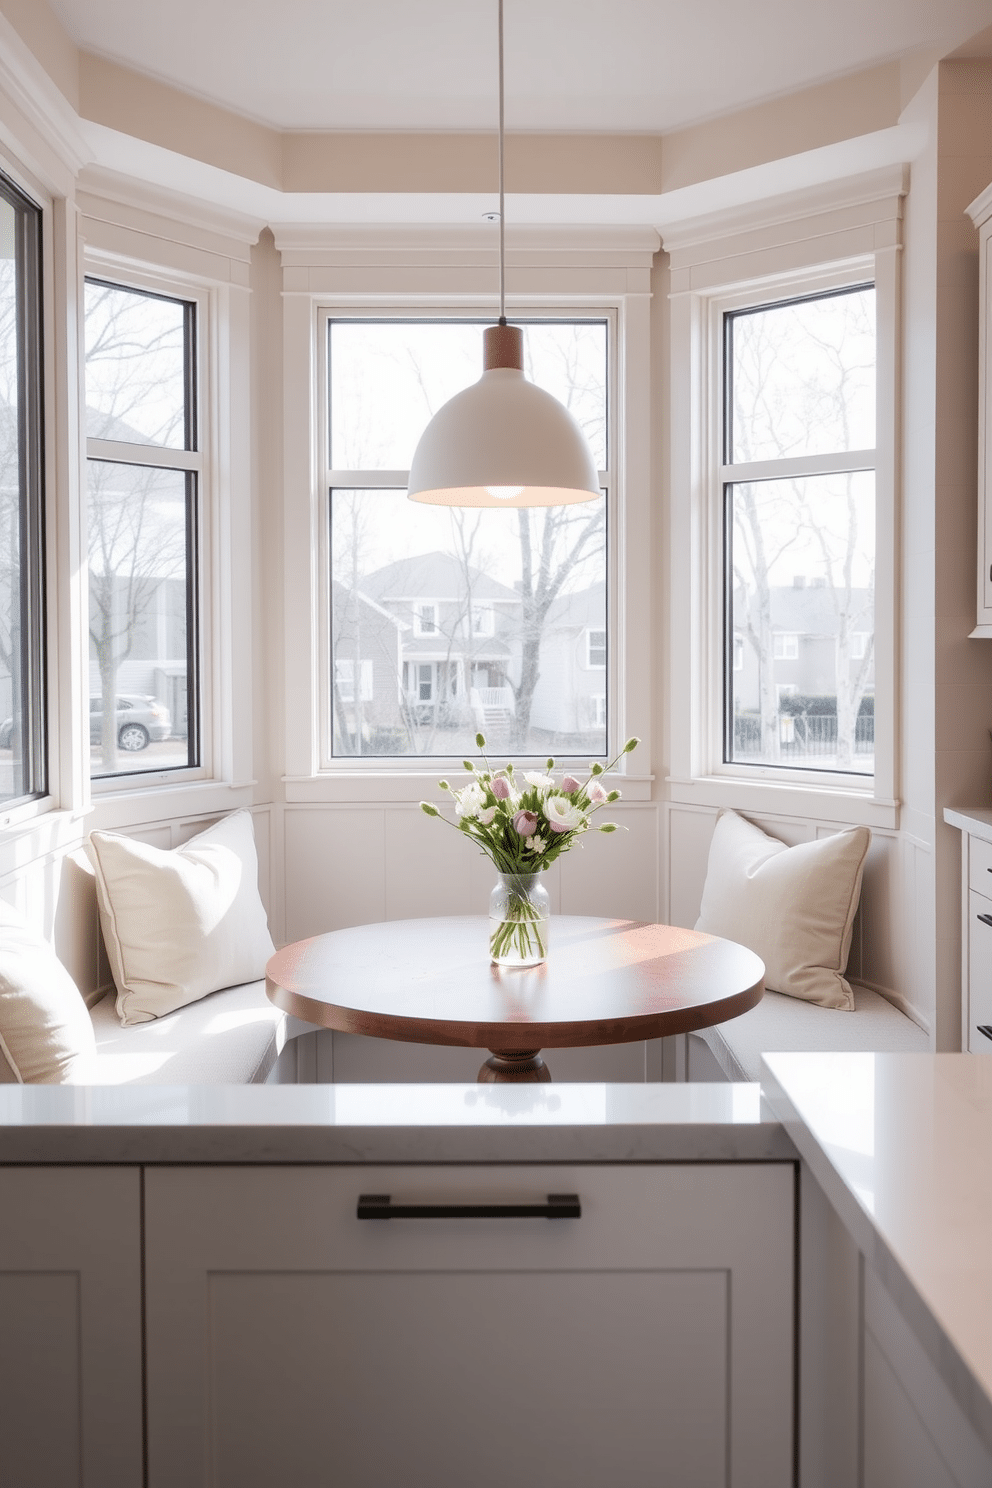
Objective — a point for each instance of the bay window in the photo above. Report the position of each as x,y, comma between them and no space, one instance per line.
142,485
468,619
784,373
799,532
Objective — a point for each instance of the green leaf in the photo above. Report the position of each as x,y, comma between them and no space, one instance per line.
595,768
468,765
428,809
480,741
630,745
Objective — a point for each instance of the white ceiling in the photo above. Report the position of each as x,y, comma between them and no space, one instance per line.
625,65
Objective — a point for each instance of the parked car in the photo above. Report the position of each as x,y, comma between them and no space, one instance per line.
140,720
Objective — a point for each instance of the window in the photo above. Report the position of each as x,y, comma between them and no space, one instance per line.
512,591
596,648
799,530
142,479
23,744
738,653
425,619
344,681
482,621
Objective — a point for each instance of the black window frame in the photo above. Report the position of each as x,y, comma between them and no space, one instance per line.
191,435
29,686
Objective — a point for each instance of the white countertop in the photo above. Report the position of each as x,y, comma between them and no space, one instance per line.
389,1123
902,1146
976,820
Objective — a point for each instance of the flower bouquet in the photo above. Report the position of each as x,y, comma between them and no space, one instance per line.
523,821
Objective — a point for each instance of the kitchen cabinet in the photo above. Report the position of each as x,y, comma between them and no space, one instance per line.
980,212
70,1337
649,1341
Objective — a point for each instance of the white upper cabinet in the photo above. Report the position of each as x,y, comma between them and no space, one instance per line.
980,212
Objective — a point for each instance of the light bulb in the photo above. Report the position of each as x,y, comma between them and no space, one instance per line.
504,493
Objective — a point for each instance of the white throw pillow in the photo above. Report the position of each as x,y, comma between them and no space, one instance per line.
45,1028
793,906
181,923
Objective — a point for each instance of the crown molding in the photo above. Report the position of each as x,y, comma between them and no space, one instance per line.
883,188
161,212
27,85
621,246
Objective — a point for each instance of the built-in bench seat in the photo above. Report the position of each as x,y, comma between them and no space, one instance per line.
232,1037
785,1025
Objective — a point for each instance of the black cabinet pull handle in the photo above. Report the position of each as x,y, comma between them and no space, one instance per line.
558,1206
985,919
984,1028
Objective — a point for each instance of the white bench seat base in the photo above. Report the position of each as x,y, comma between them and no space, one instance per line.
785,1025
232,1037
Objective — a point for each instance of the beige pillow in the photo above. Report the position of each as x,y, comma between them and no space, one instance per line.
793,906
181,923
45,1028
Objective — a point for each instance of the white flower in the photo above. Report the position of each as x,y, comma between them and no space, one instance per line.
596,793
535,844
542,782
487,817
562,815
469,802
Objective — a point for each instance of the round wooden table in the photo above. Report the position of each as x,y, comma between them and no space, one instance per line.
431,982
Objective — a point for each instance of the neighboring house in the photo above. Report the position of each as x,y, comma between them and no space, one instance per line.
805,626
367,663
460,630
570,696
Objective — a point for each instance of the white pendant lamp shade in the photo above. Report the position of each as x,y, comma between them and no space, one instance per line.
503,442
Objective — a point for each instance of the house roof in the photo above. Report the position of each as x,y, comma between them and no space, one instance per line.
434,575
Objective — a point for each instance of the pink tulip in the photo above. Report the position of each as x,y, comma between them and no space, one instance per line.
500,787
570,785
525,823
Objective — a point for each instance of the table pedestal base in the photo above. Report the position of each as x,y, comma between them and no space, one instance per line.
525,1066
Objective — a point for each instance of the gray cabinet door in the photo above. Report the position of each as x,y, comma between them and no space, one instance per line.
70,1328
648,1342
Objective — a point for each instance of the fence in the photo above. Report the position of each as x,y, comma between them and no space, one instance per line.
806,736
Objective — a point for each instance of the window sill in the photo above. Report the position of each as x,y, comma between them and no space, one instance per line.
167,802
822,803
408,787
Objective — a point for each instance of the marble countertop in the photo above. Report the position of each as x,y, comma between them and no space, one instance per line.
389,1123
900,1144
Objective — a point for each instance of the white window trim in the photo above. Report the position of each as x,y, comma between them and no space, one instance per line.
818,240
223,780
327,272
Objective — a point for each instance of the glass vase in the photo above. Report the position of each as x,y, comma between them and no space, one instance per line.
519,916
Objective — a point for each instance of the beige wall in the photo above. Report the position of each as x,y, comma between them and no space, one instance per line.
963,667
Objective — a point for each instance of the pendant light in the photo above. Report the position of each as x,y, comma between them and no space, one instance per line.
503,442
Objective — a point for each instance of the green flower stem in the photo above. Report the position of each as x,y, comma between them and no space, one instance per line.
523,927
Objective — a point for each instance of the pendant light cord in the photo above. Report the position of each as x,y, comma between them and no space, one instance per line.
502,237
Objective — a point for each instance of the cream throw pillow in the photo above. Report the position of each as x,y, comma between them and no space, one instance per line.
45,1028
793,906
181,923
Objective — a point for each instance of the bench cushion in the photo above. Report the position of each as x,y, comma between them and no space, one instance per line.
233,1037
784,1025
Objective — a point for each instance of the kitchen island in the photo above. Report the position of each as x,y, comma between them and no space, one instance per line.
753,1289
